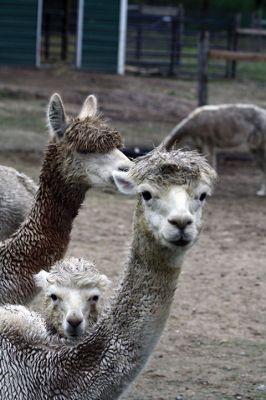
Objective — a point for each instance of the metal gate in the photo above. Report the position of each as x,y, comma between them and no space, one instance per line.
59,32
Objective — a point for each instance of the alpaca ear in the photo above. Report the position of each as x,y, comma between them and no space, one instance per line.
124,183
104,282
56,116
89,108
40,279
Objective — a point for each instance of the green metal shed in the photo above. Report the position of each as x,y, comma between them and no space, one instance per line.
18,32
100,33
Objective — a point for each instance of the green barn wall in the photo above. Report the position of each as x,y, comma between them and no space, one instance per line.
18,24
100,35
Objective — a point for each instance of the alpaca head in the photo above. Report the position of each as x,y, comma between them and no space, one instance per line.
71,294
88,147
172,188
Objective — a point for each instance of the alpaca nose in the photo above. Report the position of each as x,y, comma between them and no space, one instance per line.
74,322
180,223
124,164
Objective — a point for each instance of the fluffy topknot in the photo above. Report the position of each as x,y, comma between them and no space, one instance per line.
173,167
92,135
76,272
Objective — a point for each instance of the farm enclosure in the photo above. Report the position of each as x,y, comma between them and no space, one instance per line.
214,344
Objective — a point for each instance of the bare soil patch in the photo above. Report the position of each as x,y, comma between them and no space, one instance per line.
144,109
214,344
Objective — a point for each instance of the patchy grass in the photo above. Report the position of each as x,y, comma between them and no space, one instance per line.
252,70
22,130
33,121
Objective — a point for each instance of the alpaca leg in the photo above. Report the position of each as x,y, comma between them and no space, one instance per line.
261,161
262,191
210,153
214,161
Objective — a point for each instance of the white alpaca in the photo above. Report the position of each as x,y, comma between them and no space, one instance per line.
224,127
70,297
172,187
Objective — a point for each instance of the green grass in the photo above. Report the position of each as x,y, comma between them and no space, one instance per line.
252,70
245,70
33,121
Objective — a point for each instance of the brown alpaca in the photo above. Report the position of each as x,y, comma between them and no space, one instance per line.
82,152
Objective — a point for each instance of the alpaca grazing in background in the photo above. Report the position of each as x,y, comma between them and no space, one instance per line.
82,153
17,192
226,126
172,187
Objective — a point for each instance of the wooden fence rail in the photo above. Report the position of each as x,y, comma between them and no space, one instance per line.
205,54
229,55
251,32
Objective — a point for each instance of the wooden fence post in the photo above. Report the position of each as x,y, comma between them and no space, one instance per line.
64,32
230,39
173,53
235,43
203,50
256,23
47,28
177,28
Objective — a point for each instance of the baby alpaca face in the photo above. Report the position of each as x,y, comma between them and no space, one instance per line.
69,312
70,294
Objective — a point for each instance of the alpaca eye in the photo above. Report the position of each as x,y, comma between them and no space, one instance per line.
146,195
203,196
95,298
54,297
83,151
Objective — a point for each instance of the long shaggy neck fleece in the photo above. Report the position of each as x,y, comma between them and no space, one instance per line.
43,238
128,335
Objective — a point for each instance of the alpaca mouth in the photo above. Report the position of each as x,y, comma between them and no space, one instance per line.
180,242
73,333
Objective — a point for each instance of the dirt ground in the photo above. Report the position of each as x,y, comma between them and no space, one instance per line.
214,344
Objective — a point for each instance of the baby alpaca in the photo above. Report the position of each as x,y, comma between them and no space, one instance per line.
69,297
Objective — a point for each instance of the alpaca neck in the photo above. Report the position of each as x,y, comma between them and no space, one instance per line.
57,185
132,327
56,205
43,238
151,278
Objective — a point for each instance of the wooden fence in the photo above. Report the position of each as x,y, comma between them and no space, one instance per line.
164,41
206,54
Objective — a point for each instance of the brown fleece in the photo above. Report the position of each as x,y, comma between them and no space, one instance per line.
44,236
92,135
